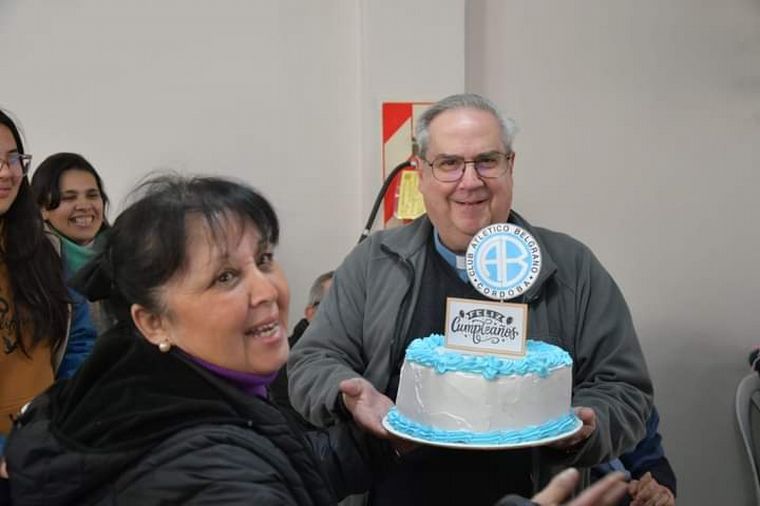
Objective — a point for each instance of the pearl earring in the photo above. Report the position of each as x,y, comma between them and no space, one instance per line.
164,346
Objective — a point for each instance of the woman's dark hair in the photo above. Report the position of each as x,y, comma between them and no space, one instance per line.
46,182
36,271
147,243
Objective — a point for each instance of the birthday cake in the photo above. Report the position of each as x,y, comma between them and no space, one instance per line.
446,396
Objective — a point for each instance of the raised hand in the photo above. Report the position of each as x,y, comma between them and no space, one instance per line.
606,492
366,405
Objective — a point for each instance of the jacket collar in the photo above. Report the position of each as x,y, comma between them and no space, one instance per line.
407,240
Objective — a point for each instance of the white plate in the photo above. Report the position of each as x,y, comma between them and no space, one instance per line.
482,446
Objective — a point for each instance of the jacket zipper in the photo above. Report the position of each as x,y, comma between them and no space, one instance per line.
396,348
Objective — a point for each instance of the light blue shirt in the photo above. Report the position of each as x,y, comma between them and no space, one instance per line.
454,260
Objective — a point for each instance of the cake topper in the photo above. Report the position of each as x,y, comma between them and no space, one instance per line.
503,261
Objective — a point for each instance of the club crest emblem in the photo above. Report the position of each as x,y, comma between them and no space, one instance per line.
503,260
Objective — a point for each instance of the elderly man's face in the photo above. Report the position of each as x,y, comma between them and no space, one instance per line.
459,209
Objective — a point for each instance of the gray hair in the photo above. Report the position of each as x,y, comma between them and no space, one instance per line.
317,290
462,101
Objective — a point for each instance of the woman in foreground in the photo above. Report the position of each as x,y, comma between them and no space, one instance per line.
171,407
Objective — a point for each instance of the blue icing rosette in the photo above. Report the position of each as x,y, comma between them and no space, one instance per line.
540,358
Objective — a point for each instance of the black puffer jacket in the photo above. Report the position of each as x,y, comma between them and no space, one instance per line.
136,426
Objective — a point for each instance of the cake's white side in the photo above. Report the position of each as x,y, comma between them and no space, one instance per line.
470,402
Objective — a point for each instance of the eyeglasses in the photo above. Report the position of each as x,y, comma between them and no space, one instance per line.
449,169
16,162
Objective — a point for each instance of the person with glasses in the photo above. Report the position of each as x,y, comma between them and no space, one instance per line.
34,303
393,288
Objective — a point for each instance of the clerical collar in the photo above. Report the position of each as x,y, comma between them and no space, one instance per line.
454,260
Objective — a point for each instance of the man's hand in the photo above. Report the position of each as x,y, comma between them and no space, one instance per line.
3,469
605,492
366,405
647,492
588,417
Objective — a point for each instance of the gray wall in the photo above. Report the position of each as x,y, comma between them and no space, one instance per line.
641,136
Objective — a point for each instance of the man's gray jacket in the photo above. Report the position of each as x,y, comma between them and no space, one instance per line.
361,329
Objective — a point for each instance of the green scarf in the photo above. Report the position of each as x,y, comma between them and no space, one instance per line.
75,255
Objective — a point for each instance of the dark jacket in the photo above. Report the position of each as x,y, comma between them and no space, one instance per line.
278,390
136,426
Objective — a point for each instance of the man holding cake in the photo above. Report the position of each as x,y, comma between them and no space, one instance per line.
395,286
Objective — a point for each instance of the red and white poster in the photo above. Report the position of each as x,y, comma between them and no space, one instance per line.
403,201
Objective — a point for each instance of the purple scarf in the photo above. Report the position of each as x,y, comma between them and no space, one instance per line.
250,383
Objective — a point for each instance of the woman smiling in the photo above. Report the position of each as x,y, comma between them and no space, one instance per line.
171,407
71,196
33,300
73,202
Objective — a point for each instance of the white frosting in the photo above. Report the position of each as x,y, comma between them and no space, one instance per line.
470,402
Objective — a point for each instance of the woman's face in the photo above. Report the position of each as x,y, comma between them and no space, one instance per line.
79,215
10,177
229,305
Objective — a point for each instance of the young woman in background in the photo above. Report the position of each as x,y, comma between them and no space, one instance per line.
70,194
